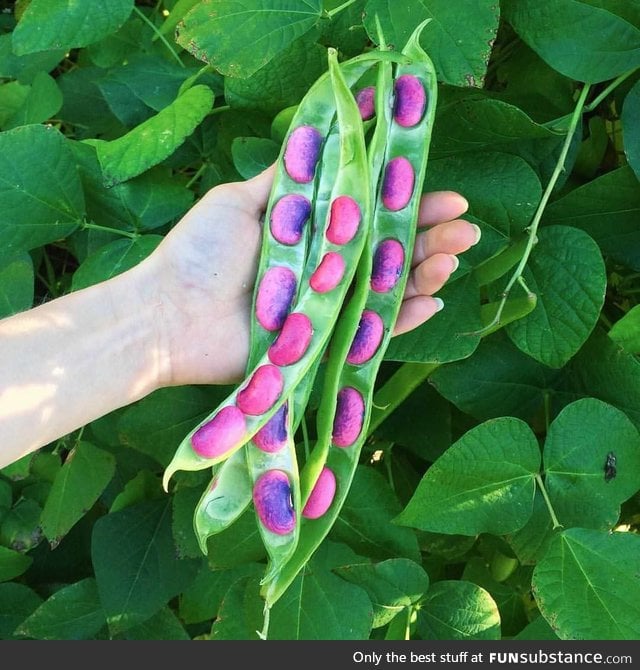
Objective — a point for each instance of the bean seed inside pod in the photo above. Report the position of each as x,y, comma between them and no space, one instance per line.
273,435
388,261
272,501
397,186
344,220
349,417
292,341
367,338
321,496
220,434
275,296
262,390
411,100
301,153
288,218
365,99
329,273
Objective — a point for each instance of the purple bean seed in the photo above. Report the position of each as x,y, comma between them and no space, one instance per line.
349,417
272,500
365,99
321,496
367,338
397,186
262,390
273,435
275,296
344,220
411,100
302,153
292,341
329,273
288,218
388,261
220,434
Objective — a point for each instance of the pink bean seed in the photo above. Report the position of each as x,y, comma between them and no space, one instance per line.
272,501
273,435
262,391
388,261
344,220
367,338
288,218
411,100
275,296
225,430
398,183
321,497
302,153
292,341
365,99
349,417
328,274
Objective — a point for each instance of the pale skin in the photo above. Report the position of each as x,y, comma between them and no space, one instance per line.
179,317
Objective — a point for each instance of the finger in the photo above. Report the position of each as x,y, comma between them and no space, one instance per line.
452,237
415,311
258,188
431,275
441,206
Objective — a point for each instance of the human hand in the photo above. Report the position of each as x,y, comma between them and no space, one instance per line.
205,269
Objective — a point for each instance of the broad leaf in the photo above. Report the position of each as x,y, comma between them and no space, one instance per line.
631,127
17,602
252,155
587,585
584,442
16,283
626,331
267,27
484,483
12,563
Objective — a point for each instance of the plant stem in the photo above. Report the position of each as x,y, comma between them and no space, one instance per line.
219,110
545,495
338,9
158,34
613,85
106,229
533,228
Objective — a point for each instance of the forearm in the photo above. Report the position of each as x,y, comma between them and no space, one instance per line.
74,359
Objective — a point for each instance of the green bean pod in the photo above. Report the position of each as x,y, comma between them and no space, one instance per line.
270,383
358,346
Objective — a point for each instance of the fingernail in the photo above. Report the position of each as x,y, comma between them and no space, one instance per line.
455,262
439,304
478,232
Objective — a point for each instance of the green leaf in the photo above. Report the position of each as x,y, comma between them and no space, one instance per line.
41,201
280,83
587,585
43,101
481,484
631,127
114,258
77,486
531,542
25,68
16,284
20,528
144,486
164,625
252,155
575,452
365,521
567,273
582,42
154,139
135,564
606,208
73,612
12,563
626,331
17,602
460,58
239,544
211,30
458,610
65,24
393,585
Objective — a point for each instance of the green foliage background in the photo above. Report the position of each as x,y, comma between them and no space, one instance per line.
481,508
